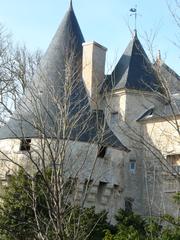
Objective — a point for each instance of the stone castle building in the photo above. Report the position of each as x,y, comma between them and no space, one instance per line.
121,131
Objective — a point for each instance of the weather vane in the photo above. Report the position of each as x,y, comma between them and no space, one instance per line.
134,13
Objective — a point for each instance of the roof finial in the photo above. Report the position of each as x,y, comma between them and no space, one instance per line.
135,14
135,33
71,5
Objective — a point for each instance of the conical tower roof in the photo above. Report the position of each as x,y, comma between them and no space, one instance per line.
133,71
47,87
56,104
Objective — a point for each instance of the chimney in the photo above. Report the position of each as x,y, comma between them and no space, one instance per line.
94,56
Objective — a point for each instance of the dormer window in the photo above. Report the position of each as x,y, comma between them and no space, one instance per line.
101,152
25,144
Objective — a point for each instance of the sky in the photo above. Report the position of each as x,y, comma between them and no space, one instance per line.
108,22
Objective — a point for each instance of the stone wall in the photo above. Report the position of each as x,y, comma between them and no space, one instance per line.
106,175
161,139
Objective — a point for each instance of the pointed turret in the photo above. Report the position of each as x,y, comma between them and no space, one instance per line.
61,65
65,47
62,60
133,71
56,104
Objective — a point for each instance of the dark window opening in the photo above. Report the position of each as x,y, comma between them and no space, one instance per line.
101,152
101,189
128,204
116,187
25,144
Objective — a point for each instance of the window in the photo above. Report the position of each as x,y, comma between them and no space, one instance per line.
101,189
40,91
132,166
114,117
25,144
174,161
101,152
116,187
128,204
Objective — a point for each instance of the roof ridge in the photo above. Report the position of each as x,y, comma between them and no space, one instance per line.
130,62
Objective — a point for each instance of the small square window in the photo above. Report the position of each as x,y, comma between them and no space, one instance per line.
25,144
132,166
114,117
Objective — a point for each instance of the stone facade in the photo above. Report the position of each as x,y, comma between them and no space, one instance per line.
81,162
140,166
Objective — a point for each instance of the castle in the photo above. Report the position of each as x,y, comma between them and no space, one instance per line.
120,132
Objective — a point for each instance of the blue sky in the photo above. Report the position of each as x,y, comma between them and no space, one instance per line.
34,22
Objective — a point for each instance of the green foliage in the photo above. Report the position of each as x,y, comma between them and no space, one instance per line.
108,235
130,219
131,226
176,198
170,233
152,228
17,217
90,224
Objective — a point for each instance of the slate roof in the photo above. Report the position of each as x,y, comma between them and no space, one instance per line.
57,97
172,82
171,78
133,71
168,110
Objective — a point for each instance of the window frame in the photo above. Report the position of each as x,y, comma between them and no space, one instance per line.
131,162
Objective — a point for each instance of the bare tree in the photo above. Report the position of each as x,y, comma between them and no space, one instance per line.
147,121
17,66
62,143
